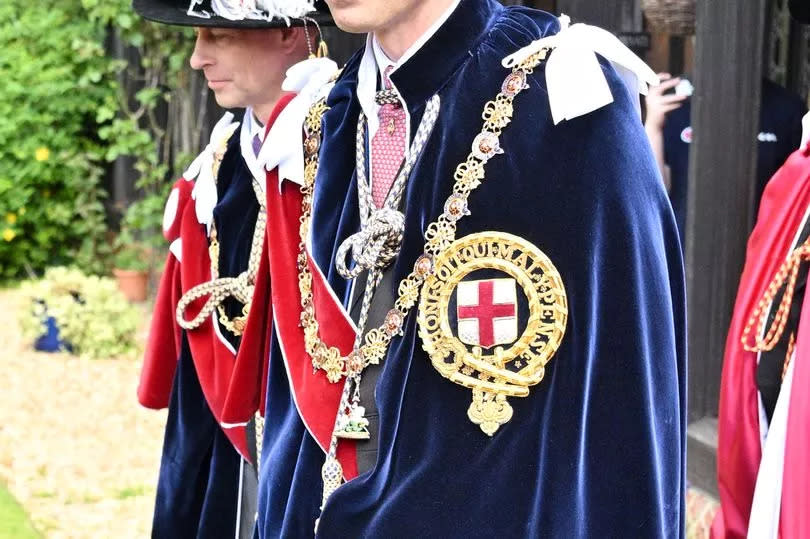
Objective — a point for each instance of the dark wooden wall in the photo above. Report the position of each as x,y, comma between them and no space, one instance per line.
725,117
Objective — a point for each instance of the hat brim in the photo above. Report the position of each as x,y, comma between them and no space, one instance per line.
800,10
159,12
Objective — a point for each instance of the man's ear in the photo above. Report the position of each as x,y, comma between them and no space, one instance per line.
290,39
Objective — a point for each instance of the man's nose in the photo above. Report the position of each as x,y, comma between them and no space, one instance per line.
200,57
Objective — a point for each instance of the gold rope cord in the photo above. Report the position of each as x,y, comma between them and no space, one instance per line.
219,288
765,341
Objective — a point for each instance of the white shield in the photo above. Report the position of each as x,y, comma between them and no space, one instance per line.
487,312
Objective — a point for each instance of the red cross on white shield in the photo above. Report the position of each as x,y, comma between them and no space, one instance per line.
487,312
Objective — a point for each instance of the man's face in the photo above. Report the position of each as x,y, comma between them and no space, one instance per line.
243,67
362,16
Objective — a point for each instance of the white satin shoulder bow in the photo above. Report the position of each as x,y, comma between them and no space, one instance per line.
575,82
202,168
283,147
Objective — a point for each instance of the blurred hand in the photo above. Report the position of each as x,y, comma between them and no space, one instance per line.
659,104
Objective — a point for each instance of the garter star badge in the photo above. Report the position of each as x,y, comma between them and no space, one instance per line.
492,313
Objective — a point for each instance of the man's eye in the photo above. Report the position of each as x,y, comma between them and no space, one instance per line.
221,36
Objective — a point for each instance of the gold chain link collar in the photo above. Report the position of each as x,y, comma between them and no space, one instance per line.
439,235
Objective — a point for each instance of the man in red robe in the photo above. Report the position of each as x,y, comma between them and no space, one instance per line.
208,343
763,472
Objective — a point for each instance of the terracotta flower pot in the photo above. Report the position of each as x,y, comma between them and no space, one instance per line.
132,283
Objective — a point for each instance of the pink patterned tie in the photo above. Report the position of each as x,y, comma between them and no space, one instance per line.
387,146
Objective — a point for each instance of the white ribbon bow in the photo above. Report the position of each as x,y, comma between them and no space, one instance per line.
202,168
575,81
283,147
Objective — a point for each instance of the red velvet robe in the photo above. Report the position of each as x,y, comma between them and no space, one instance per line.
232,382
784,205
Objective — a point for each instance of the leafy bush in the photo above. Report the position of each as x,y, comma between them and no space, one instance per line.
53,76
154,120
68,108
131,254
90,312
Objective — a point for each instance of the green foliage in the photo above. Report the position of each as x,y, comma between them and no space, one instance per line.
163,78
67,109
90,311
14,523
131,254
53,76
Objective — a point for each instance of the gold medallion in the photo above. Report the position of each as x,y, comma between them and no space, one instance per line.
487,344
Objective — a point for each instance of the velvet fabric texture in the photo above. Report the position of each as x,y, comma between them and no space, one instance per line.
201,473
198,484
598,447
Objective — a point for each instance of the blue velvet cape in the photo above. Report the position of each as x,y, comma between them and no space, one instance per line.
598,448
198,485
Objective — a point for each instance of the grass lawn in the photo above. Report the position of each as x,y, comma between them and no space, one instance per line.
14,522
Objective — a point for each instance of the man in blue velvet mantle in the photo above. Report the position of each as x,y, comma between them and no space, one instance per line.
480,330
210,333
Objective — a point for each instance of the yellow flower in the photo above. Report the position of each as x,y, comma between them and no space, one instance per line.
42,154
11,218
9,234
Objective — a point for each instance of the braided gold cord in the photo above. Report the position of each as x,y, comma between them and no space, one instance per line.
220,288
788,272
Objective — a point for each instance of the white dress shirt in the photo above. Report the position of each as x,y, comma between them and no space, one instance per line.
251,127
374,62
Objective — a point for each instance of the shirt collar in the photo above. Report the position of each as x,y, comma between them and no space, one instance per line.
426,69
375,60
253,125
250,128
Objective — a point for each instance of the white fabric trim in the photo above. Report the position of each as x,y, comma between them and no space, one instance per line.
176,248
575,81
204,193
763,417
767,503
290,383
332,294
805,131
225,425
239,498
218,331
170,209
310,79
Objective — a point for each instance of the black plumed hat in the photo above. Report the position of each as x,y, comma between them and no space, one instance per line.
233,13
800,9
